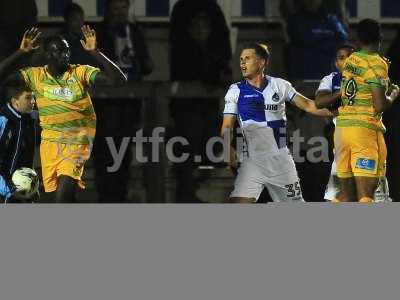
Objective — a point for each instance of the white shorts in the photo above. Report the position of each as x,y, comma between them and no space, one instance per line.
277,173
333,188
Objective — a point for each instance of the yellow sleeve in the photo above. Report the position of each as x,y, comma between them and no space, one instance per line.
87,74
28,74
377,75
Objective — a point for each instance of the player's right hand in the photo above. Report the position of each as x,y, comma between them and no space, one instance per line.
29,40
394,92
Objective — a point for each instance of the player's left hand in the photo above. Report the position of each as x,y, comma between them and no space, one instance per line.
90,42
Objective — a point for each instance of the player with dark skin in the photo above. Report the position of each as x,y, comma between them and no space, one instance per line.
326,99
58,57
359,187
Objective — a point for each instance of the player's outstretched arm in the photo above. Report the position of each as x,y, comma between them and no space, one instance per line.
111,73
28,44
309,106
325,99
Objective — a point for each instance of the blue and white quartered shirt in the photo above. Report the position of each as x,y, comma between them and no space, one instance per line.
261,114
330,83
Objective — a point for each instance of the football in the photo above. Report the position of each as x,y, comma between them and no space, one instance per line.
26,182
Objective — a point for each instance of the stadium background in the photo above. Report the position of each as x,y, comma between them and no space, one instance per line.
236,8
248,20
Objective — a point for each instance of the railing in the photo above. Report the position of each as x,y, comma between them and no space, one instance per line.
155,97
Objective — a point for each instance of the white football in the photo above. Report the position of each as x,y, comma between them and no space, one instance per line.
26,182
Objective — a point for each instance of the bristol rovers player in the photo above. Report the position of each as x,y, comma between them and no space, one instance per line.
258,102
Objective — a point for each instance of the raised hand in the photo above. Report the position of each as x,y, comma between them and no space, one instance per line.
90,42
29,40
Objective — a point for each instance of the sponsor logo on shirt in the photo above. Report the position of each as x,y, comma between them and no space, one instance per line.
273,107
251,96
65,93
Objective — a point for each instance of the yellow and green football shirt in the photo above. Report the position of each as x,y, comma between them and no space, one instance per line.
362,72
65,109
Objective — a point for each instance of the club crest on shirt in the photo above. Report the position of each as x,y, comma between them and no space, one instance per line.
275,97
71,81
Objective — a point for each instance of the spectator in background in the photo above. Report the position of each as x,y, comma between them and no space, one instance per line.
124,43
200,51
15,17
338,8
314,36
74,18
392,124
335,7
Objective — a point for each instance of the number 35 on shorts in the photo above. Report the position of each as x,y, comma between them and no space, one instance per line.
293,190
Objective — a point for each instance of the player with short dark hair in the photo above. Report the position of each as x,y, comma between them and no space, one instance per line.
261,50
17,137
66,112
258,103
366,92
328,95
369,32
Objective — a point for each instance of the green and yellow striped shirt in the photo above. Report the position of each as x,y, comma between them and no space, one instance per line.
65,109
362,72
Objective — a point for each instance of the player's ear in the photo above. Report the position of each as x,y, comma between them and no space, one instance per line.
265,64
13,102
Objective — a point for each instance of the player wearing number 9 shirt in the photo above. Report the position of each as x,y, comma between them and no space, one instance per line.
360,150
258,103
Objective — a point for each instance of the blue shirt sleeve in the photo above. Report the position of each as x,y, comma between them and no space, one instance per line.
5,190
